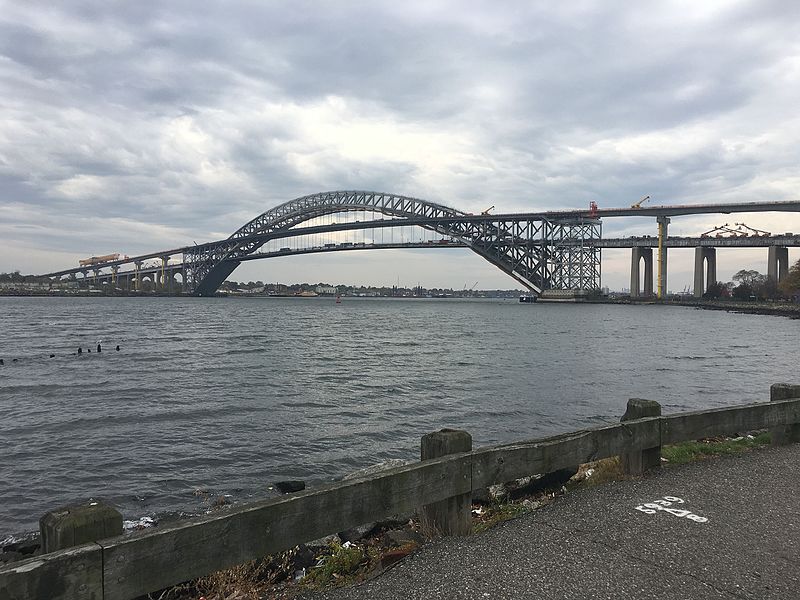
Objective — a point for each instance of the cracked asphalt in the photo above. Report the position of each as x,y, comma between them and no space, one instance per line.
595,544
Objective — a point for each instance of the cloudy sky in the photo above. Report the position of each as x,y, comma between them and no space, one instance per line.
136,126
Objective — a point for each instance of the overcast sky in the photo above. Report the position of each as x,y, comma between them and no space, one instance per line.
137,126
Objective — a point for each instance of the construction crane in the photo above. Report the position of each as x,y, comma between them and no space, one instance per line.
640,202
488,210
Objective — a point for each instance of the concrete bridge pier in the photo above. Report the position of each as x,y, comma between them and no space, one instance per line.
663,233
167,281
138,276
637,254
778,263
704,277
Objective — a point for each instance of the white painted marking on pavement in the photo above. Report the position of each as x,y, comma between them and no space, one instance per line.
664,504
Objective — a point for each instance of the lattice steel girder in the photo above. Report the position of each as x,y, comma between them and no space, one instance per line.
574,262
518,247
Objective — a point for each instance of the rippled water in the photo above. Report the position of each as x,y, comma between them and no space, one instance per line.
229,395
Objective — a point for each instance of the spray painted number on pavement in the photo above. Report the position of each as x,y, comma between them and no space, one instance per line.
665,505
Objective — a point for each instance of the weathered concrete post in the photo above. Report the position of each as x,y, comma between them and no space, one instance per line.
78,524
784,434
637,462
452,516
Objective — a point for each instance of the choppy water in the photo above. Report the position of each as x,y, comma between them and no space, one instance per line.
230,395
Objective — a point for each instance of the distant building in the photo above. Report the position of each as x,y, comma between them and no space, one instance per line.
326,290
23,285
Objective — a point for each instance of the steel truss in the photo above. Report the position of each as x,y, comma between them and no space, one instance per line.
535,251
573,260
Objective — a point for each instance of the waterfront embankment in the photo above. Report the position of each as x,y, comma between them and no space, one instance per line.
440,488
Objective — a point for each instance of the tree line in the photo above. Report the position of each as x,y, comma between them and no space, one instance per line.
752,285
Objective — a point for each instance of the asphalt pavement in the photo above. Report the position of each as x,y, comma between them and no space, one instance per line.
720,528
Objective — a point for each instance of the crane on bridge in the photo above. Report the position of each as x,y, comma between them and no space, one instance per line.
740,230
640,202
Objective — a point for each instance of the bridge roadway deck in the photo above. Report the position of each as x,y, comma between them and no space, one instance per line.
694,242
594,544
631,242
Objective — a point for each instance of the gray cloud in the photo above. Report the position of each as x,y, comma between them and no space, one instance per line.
123,124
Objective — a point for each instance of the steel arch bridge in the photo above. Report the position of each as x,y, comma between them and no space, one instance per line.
539,252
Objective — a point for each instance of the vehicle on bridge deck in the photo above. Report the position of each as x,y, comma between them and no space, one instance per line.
87,262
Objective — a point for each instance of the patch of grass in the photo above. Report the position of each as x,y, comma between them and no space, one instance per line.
250,580
497,513
603,471
689,451
341,567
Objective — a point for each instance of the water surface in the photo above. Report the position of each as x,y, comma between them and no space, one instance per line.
226,396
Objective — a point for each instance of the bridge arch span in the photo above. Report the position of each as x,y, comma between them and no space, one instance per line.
506,245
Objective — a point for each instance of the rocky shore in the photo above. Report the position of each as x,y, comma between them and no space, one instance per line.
779,309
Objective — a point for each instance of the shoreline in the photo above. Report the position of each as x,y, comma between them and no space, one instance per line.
777,309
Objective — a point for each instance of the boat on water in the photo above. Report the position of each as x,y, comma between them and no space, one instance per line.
527,299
